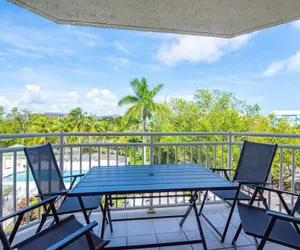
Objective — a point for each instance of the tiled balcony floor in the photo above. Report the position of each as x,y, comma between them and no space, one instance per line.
164,230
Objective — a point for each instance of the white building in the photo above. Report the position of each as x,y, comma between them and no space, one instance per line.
292,116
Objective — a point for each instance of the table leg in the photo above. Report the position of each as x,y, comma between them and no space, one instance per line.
199,222
188,210
104,218
109,218
87,219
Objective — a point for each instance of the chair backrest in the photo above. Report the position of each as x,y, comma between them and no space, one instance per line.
5,243
255,162
44,168
297,206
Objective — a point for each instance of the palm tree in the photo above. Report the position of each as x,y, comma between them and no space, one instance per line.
143,106
77,119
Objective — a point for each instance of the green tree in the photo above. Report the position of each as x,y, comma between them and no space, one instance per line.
77,119
143,104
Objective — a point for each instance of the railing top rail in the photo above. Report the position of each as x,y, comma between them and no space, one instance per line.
119,134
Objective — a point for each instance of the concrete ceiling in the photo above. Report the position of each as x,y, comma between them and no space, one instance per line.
219,18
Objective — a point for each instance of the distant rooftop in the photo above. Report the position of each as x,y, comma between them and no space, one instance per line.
286,112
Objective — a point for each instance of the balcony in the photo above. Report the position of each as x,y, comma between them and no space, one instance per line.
78,152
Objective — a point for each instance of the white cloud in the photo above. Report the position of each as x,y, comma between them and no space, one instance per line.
92,94
23,53
32,95
297,24
291,64
118,61
121,47
4,102
274,68
197,49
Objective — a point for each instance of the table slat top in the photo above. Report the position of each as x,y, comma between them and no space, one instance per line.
147,179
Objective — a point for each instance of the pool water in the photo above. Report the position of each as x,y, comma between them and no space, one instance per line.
21,176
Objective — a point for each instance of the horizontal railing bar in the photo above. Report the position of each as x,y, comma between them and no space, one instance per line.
18,149
119,134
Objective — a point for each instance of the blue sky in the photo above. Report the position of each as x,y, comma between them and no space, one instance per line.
49,67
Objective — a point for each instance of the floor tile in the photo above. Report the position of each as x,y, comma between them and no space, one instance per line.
166,225
181,210
216,219
119,230
191,224
170,237
242,239
140,227
139,240
183,247
115,242
212,241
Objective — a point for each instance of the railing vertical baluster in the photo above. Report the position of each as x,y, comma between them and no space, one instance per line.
108,156
117,156
61,152
168,155
199,154
215,156
27,192
80,160
230,153
125,152
1,185
143,157
192,154
71,161
206,158
176,150
134,155
280,173
90,158
151,209
222,157
15,183
99,156
168,161
159,154
293,177
151,149
184,154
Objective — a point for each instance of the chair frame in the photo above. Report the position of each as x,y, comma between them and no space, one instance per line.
240,183
275,216
7,243
61,195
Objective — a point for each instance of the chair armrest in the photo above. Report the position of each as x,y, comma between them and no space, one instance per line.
221,169
52,194
282,216
274,190
252,182
27,209
74,176
74,236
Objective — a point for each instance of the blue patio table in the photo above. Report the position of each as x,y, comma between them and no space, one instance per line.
114,180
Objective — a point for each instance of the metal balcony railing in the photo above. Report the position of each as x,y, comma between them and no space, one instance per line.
78,152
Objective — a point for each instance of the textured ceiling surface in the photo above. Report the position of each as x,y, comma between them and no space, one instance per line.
221,18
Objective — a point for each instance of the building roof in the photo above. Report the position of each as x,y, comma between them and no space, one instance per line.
286,112
218,18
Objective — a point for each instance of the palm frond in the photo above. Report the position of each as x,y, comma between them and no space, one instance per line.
156,90
129,99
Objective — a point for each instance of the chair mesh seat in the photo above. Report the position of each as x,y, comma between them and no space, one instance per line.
230,195
255,221
72,205
54,234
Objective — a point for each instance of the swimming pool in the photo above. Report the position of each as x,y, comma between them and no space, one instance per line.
21,176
